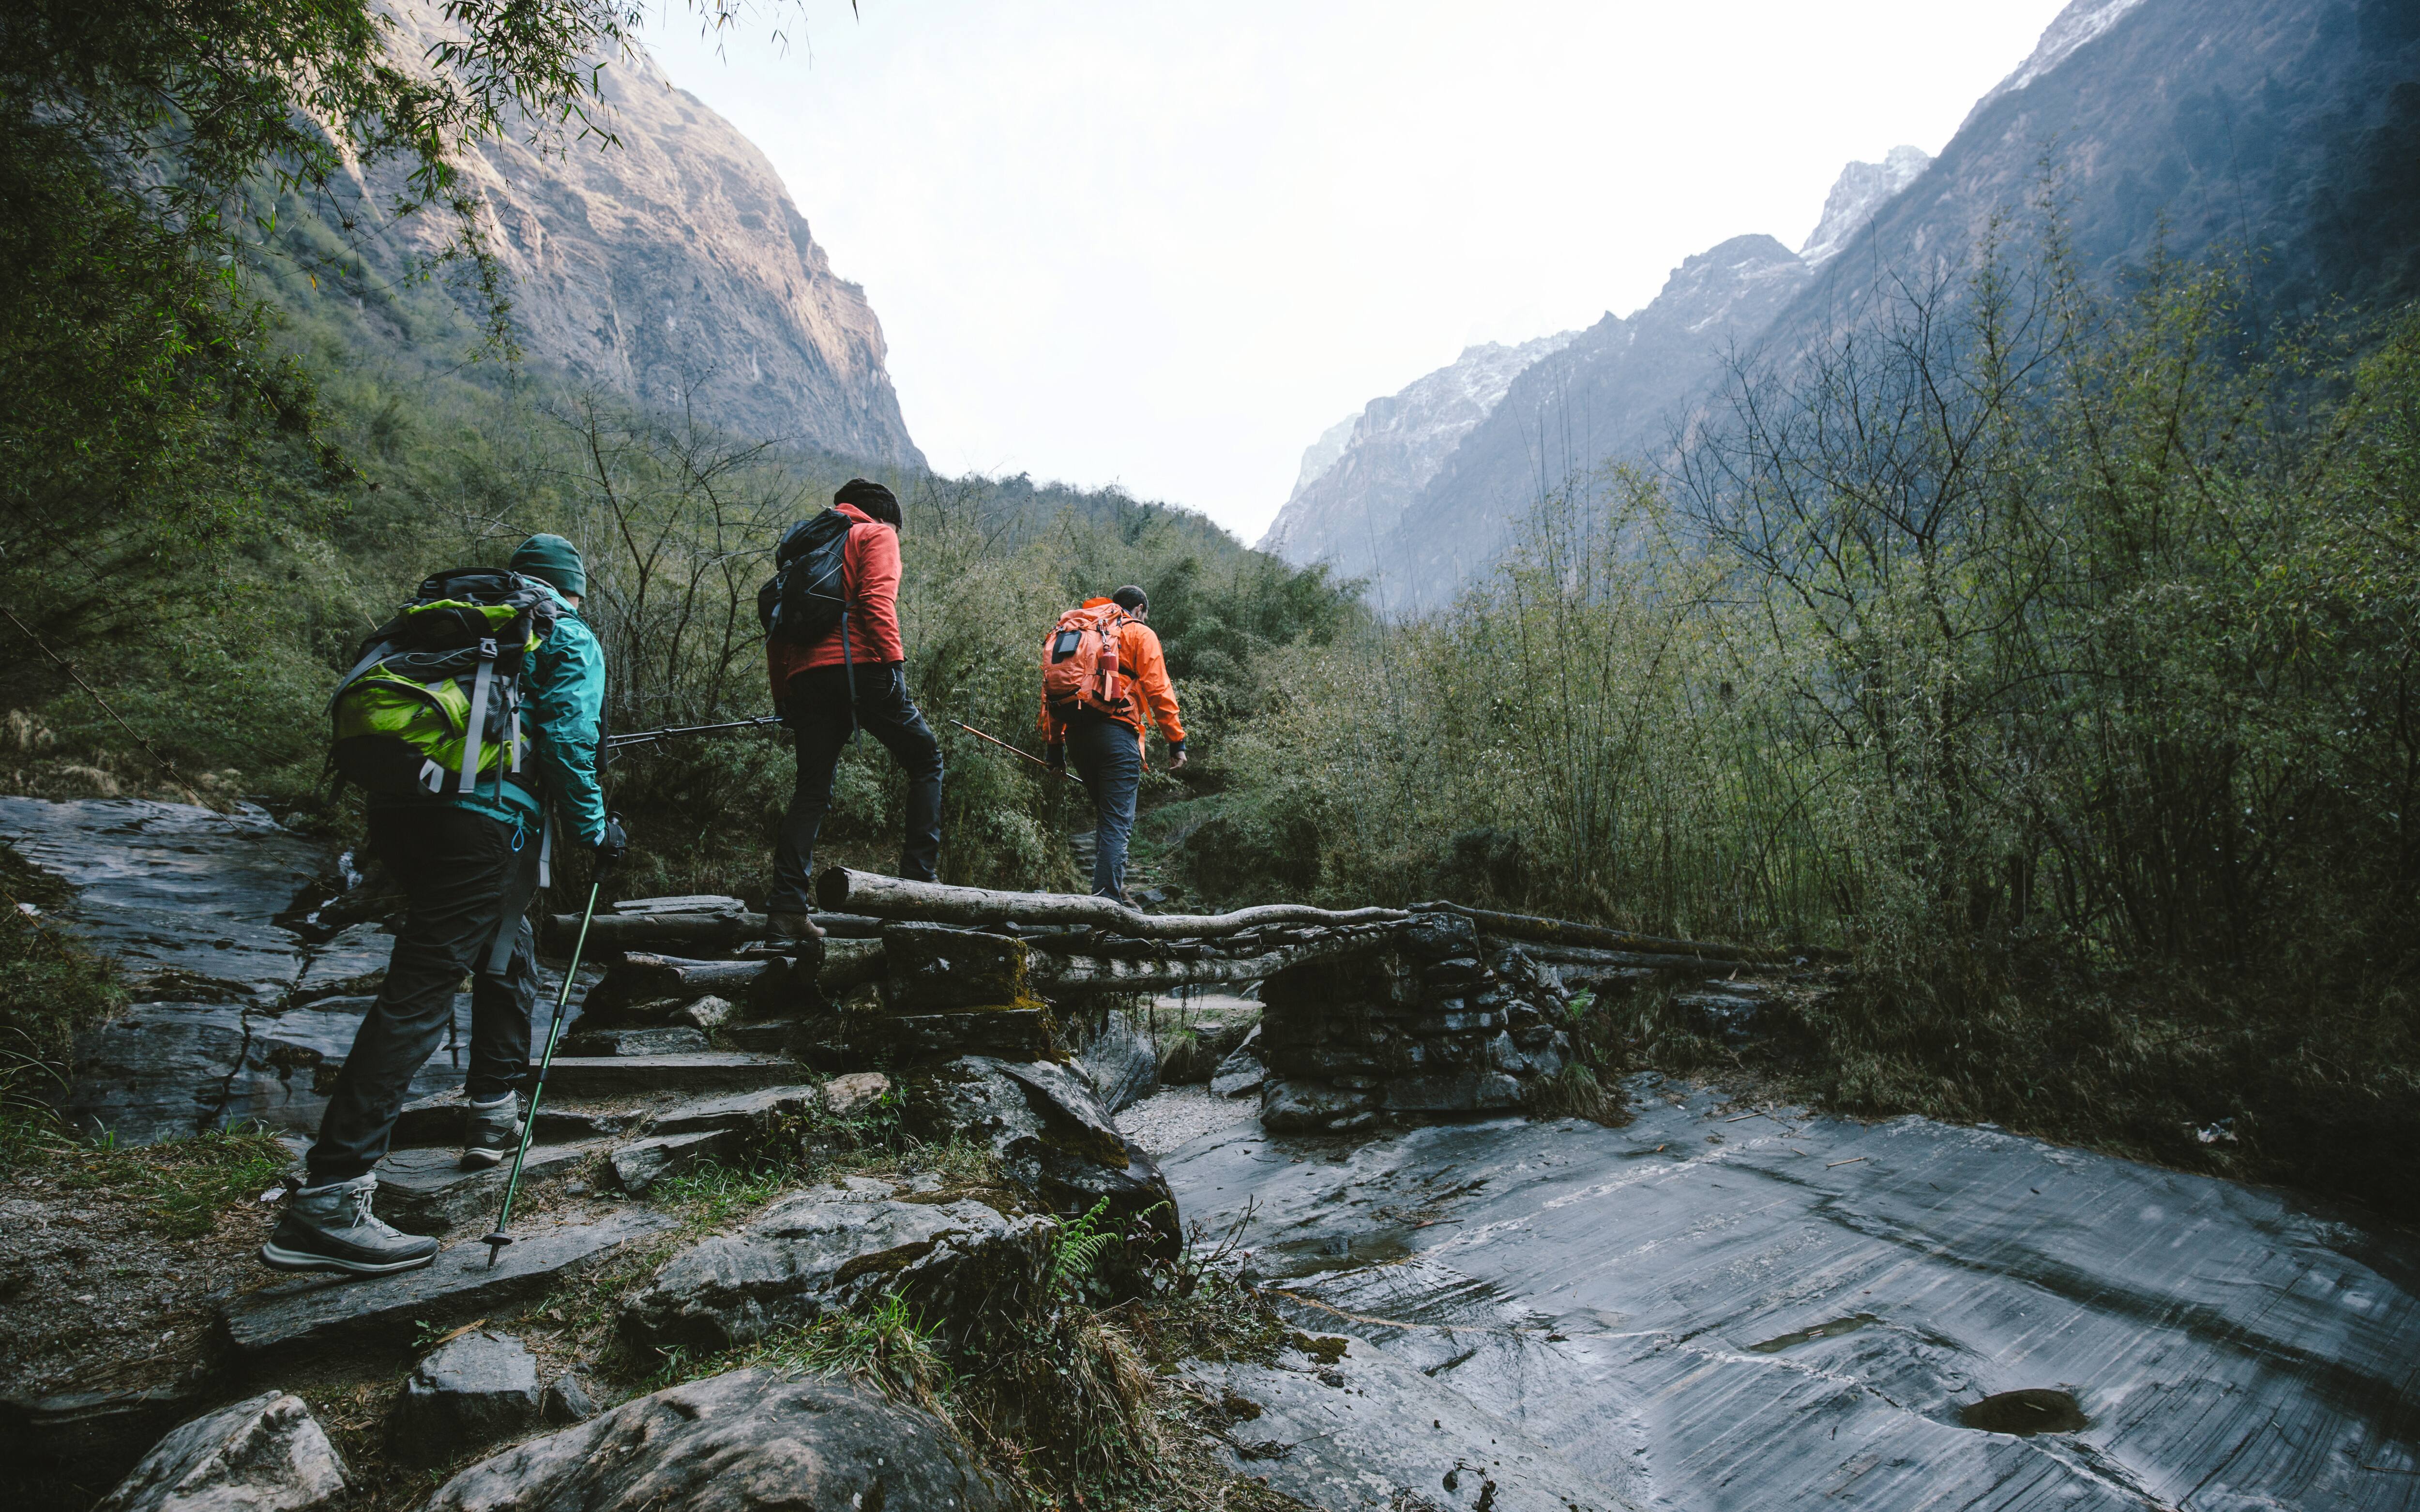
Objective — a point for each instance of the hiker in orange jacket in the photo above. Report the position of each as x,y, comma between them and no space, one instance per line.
1108,748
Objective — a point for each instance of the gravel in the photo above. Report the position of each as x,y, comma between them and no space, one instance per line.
1171,1120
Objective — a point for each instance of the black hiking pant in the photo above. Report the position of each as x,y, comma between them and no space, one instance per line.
465,874
818,710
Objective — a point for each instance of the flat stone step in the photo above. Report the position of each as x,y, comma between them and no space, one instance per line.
762,1039
438,1121
670,1041
425,1191
308,1315
713,1071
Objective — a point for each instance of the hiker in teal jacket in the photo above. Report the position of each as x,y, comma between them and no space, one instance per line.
470,863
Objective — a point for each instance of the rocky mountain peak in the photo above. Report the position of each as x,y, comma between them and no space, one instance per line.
1862,189
1357,475
672,268
2069,31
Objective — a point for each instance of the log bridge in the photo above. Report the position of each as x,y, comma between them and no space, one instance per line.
912,966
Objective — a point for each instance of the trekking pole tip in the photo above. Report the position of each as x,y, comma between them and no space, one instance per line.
495,1242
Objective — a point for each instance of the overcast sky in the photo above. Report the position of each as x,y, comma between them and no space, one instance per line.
1165,244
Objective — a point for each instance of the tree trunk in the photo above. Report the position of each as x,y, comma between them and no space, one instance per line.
896,898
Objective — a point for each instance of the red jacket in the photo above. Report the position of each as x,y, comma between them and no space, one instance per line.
869,578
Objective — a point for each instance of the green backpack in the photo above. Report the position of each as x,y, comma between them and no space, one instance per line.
433,702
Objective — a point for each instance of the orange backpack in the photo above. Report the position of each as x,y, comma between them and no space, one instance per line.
1079,663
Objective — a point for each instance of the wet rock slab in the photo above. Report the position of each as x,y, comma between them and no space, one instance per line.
309,1316
1722,1310
238,1018
1367,1431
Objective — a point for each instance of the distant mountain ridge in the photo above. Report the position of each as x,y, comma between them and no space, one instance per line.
2291,127
1357,477
673,269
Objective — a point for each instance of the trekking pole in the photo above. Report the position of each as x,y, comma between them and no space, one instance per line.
645,737
1014,751
497,1241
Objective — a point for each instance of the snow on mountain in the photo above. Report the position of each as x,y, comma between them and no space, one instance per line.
1862,189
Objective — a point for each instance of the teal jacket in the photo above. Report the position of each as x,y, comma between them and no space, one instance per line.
563,697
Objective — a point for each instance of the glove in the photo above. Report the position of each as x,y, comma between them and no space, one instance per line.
611,846
1055,758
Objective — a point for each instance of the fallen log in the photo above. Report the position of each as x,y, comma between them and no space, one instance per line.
656,930
840,889
1565,932
767,983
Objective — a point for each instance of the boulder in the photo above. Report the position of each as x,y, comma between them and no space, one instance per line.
1120,1064
828,1248
466,1393
735,1442
708,1012
567,1401
856,1094
266,1454
1054,1140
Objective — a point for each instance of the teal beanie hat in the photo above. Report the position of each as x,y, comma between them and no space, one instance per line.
554,559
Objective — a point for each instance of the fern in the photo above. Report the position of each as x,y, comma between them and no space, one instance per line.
1078,1248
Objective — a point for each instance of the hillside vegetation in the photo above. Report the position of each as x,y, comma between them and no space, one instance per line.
2050,649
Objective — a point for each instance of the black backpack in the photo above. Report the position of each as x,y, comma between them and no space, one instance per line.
807,595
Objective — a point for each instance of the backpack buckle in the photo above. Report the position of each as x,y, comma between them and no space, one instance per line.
487,649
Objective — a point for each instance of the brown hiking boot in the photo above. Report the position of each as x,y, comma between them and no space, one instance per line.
791,929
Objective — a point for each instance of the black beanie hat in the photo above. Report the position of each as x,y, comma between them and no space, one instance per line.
875,499
1131,598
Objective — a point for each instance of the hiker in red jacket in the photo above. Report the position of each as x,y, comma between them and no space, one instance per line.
813,686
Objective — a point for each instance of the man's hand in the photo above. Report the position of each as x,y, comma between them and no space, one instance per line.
611,846
1055,758
1177,763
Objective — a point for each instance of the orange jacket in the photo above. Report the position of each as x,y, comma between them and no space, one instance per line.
1144,667
869,576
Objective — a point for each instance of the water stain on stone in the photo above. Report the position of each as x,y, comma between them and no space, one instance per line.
1834,1329
2025,1412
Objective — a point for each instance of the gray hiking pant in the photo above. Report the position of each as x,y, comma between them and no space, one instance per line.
1109,757
464,871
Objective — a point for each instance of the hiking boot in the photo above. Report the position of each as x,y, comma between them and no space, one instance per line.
492,1131
331,1227
791,929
